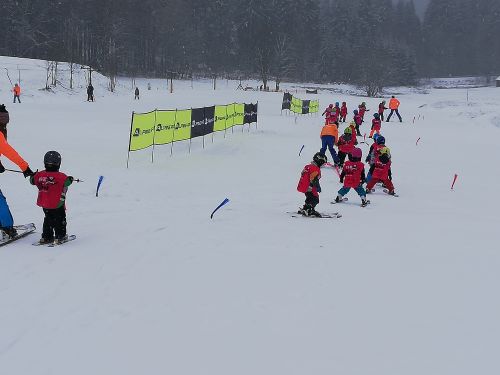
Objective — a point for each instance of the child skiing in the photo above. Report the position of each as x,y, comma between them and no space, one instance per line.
309,185
52,186
358,120
343,112
328,113
381,109
337,110
381,171
346,143
329,136
362,110
376,125
353,177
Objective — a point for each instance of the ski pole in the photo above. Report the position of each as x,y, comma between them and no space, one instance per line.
12,170
7,70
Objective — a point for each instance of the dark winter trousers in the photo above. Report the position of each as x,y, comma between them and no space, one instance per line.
18,98
327,141
311,200
341,156
90,97
357,130
55,221
381,116
397,113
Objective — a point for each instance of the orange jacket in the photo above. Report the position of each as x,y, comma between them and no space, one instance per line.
11,154
330,129
394,103
17,90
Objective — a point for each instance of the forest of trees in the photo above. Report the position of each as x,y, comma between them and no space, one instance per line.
371,43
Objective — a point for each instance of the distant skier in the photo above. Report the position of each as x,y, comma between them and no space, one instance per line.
362,109
90,93
371,158
380,171
376,125
358,120
353,177
52,187
136,97
17,93
343,112
6,220
381,109
4,120
328,113
394,107
329,136
346,144
309,185
337,110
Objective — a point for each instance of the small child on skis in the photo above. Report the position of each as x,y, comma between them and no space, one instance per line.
343,112
328,113
353,177
337,110
309,185
381,109
362,109
346,143
376,125
380,171
52,187
358,120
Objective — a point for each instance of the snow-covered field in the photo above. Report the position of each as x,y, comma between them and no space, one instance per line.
406,286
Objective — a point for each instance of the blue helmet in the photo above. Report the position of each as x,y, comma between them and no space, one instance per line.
355,111
380,140
376,115
337,104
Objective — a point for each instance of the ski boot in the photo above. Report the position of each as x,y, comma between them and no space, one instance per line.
60,240
364,202
339,199
312,212
44,241
10,232
391,192
368,191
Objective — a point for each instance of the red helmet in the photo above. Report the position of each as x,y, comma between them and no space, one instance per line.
356,153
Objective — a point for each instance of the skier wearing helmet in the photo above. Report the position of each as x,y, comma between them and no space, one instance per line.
346,143
381,171
353,177
309,184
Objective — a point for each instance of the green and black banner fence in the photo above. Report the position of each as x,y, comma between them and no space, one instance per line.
298,106
161,127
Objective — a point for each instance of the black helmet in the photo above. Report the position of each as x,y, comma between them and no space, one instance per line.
52,158
319,159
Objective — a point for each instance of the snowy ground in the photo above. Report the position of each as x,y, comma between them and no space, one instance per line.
153,286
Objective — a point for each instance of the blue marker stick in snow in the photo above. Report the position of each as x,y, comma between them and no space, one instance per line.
300,152
224,202
99,185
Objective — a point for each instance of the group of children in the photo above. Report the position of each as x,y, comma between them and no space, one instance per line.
352,174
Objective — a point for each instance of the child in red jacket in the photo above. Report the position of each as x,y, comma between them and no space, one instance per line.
362,109
309,185
376,124
343,112
346,143
353,177
52,187
381,171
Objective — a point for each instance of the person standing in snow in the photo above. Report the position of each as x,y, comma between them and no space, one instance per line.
17,93
362,109
90,93
6,219
394,107
309,185
346,144
52,187
136,97
329,136
376,125
380,171
4,120
353,177
343,112
358,120
328,113
381,109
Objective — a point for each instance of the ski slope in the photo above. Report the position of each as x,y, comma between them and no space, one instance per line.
407,285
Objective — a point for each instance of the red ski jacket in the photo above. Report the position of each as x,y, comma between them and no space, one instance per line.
347,146
352,173
52,187
343,110
376,124
381,171
309,177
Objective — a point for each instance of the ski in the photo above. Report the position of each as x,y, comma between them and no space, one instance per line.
332,215
58,243
387,192
344,199
22,231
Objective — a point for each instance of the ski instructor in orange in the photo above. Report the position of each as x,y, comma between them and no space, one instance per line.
394,106
6,220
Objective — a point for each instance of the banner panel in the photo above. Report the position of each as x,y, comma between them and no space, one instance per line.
287,101
239,114
165,127
314,106
305,106
230,116
143,130
200,124
220,117
182,125
296,105
250,113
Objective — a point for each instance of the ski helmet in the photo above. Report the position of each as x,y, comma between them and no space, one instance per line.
336,104
348,130
380,140
357,153
385,155
319,159
52,158
330,106
376,115
355,111
363,104
352,123
385,151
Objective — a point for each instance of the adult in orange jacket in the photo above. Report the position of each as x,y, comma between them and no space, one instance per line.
394,107
6,220
17,92
329,137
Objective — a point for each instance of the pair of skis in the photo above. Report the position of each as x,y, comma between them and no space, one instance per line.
25,230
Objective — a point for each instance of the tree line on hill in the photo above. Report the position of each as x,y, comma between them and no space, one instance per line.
370,43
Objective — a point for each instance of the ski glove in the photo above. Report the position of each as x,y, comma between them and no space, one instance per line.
2,168
28,172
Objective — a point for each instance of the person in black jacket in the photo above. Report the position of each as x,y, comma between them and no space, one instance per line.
90,93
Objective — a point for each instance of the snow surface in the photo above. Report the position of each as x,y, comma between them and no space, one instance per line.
408,285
